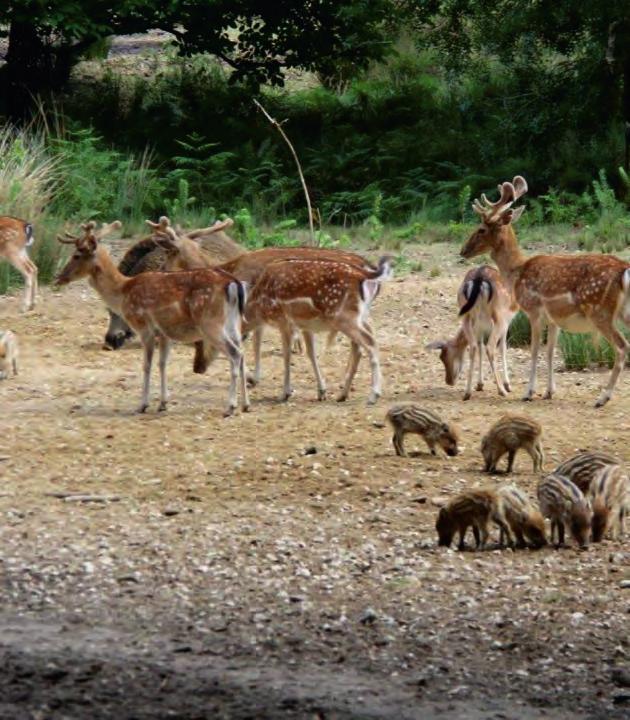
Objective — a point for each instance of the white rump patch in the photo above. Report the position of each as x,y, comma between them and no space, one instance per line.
370,289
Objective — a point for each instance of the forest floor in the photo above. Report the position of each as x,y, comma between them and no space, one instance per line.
283,563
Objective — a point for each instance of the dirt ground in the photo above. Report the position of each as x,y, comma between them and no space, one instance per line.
283,563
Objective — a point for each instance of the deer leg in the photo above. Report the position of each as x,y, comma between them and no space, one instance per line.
353,364
254,378
620,346
360,335
148,345
309,342
286,334
472,352
164,346
490,350
235,357
552,337
536,327
480,377
24,266
504,362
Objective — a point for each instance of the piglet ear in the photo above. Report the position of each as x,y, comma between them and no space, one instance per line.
435,345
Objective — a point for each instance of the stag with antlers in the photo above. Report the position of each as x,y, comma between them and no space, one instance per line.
190,306
578,293
15,237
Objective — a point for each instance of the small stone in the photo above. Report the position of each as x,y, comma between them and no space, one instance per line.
170,512
368,617
621,677
310,450
624,584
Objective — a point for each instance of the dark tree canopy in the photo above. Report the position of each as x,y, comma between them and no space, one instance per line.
258,39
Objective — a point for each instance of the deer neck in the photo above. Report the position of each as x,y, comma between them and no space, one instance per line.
508,256
107,280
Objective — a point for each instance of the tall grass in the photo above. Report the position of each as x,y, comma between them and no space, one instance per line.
581,351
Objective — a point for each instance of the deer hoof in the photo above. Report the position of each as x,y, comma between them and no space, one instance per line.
502,392
245,408
479,386
321,394
467,396
141,408
527,398
251,380
602,401
341,398
162,406
373,398
507,386
548,395
229,410
286,396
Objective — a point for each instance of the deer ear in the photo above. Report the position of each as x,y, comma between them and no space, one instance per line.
516,214
506,217
435,345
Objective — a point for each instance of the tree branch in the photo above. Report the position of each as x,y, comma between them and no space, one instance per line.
278,126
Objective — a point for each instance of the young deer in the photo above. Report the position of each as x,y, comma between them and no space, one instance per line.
15,237
487,309
181,306
314,295
579,293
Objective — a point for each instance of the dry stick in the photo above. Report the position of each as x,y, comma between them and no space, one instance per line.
82,497
297,162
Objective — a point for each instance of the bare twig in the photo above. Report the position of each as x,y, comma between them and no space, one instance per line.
297,162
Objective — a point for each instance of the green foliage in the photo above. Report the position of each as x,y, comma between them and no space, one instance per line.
581,352
519,334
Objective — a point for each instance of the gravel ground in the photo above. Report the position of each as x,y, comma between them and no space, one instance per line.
283,563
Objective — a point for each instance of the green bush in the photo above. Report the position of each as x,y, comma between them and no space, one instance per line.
519,333
580,352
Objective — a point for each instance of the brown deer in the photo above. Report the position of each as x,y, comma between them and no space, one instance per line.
316,295
579,293
487,308
247,267
15,237
184,307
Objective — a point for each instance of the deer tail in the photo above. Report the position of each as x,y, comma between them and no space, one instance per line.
472,291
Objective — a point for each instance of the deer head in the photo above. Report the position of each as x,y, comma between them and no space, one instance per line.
183,251
452,356
83,259
495,217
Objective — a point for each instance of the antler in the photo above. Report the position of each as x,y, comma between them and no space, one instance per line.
161,224
218,225
509,194
520,186
66,241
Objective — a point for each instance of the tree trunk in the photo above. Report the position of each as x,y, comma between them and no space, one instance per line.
33,68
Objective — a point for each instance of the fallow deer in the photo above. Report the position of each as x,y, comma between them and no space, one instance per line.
247,267
319,295
15,237
487,308
579,293
179,306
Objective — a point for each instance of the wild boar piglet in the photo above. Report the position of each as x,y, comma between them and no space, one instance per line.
584,467
509,434
523,518
610,499
564,504
412,418
473,508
